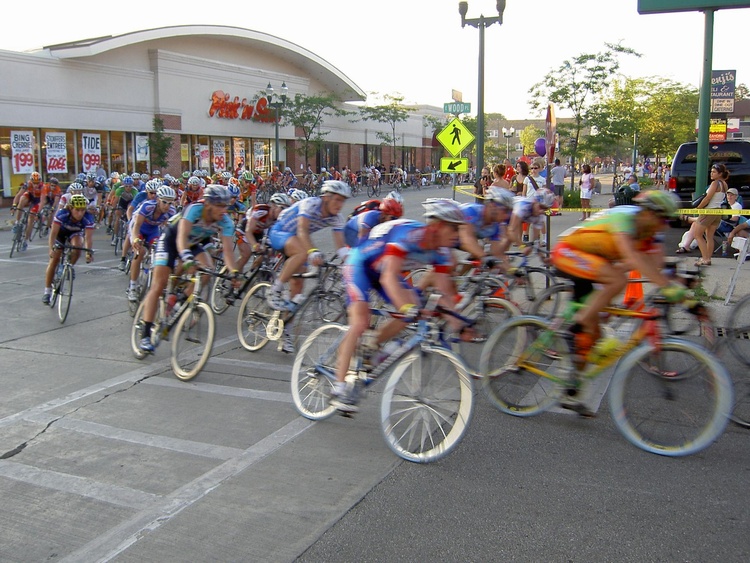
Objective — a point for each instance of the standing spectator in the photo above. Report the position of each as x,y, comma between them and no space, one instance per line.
510,170
499,171
558,182
708,223
587,189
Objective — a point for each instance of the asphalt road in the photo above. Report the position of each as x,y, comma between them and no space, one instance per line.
104,457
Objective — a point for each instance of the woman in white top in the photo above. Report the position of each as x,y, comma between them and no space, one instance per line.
707,224
587,189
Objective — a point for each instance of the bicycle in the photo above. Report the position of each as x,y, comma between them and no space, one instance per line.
656,391
188,316
144,279
258,322
19,232
62,283
40,223
737,338
428,399
121,231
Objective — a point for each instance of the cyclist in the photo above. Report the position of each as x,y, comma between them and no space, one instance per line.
291,235
124,196
145,228
378,264
51,198
247,188
257,221
74,224
484,221
527,210
602,249
288,180
31,196
193,192
92,191
358,227
181,240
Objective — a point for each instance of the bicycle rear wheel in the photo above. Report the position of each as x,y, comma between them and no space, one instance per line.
527,290
328,307
511,360
192,341
253,318
314,371
738,327
670,416
218,292
65,293
489,314
552,302
427,405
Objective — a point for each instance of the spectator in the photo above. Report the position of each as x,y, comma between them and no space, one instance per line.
558,182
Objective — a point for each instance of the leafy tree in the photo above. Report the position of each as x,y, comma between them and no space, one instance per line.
392,112
307,114
741,92
575,85
669,118
528,137
159,144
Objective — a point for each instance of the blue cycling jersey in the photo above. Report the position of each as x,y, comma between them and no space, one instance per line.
366,221
474,214
309,208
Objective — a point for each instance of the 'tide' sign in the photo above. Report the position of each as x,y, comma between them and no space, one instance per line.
223,106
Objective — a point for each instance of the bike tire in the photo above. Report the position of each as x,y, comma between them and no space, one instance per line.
650,409
738,341
427,405
325,307
488,313
136,332
66,293
314,371
192,341
253,318
217,293
553,302
511,359
527,290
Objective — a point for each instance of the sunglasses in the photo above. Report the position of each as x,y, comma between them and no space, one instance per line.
535,168
167,201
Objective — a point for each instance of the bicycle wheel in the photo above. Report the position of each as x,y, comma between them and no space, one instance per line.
192,340
136,332
426,405
670,416
738,326
314,371
253,318
328,307
488,314
370,191
553,301
218,292
511,362
66,293
527,290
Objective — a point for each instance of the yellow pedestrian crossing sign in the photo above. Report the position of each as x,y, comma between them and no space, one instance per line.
455,137
454,165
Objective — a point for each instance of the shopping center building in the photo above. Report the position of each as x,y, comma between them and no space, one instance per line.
90,105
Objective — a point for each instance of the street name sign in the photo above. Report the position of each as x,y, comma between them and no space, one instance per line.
456,107
454,165
664,6
455,137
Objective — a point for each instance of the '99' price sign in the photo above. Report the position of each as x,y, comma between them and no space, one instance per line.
91,144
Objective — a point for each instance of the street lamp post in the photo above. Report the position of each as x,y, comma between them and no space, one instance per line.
277,106
480,23
508,133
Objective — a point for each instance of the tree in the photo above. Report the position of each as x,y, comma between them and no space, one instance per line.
307,114
392,113
159,144
741,92
576,84
528,137
669,118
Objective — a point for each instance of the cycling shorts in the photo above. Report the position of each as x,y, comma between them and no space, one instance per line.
166,249
149,233
278,239
64,235
359,280
577,263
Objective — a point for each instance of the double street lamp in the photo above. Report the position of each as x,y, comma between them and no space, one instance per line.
480,23
277,106
508,133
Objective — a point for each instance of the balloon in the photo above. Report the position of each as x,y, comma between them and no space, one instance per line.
540,146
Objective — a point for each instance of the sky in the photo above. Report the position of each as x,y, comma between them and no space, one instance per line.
417,48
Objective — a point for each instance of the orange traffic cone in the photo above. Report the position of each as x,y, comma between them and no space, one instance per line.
634,291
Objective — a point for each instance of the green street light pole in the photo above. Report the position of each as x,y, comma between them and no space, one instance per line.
277,106
480,23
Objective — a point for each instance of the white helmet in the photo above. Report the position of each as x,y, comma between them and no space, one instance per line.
396,196
336,187
166,192
280,199
298,195
501,196
443,209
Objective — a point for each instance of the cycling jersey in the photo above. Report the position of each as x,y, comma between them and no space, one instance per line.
34,191
474,214
201,230
52,191
191,196
139,199
309,208
69,227
149,230
124,196
367,221
262,216
524,209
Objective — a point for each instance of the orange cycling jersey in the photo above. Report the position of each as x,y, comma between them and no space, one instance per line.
52,191
193,195
35,190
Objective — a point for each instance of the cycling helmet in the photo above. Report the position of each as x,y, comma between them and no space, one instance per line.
54,181
663,203
127,181
90,176
175,182
78,202
298,195
501,196
35,177
157,172
165,192
287,169
194,181
226,175
75,188
395,196
233,182
115,175
544,197
282,200
322,169
152,186
101,180
216,194
392,207
186,174
81,178
336,187
233,190
444,210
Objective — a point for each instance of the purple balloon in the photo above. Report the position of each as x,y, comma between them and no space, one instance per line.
540,146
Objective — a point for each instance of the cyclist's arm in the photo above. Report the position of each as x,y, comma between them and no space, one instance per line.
53,232
648,264
390,279
136,231
183,235
227,243
468,241
303,233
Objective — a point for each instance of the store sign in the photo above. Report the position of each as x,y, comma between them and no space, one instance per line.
717,130
722,90
203,157
57,153
91,151
22,152
220,159
226,107
142,150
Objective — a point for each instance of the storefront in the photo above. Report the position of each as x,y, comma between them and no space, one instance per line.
93,104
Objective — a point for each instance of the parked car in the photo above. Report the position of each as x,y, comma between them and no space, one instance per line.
735,155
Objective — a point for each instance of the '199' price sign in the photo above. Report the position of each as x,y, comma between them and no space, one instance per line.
22,160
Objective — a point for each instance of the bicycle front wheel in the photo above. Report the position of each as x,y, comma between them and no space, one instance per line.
427,405
218,292
314,372
66,293
192,341
512,360
667,415
553,301
253,318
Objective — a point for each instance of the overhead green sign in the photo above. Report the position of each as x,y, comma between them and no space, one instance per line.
664,6
456,107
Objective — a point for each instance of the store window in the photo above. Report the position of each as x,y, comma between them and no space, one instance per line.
185,152
261,156
239,155
201,152
93,152
329,155
118,154
374,155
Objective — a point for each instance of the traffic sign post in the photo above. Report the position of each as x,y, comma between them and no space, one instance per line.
455,137
454,165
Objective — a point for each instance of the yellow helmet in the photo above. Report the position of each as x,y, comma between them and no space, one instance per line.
78,201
